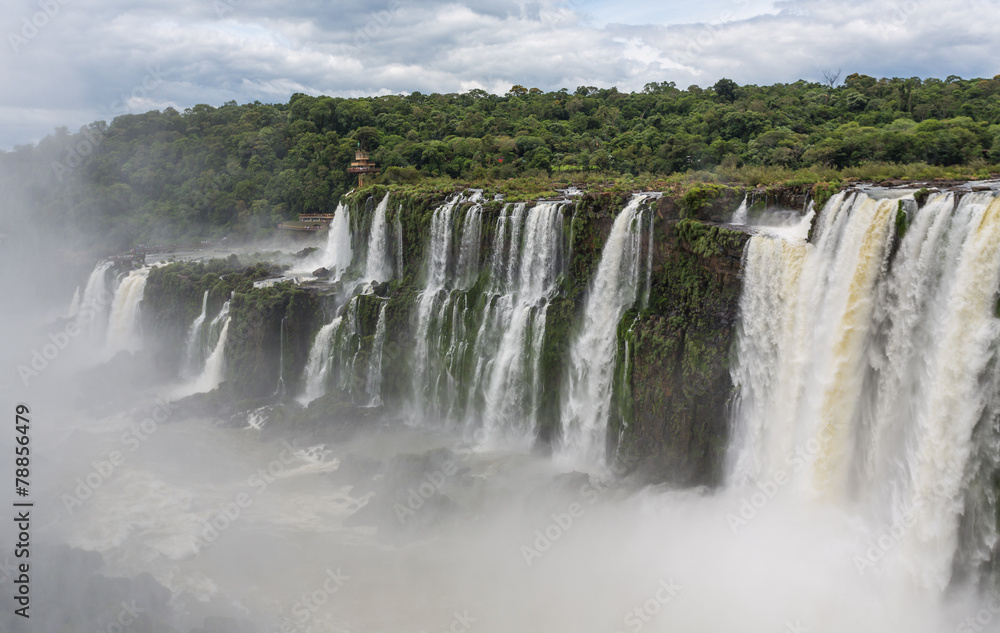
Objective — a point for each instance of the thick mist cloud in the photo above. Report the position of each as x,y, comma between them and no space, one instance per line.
87,61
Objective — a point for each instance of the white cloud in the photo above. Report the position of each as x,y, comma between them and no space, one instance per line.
74,68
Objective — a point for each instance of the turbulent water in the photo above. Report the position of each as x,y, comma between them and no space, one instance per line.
378,266
870,364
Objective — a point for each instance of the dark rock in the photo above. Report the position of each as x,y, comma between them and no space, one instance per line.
322,273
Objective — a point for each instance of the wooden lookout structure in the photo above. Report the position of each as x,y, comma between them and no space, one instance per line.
361,165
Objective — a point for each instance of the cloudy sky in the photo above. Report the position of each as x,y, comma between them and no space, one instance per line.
69,62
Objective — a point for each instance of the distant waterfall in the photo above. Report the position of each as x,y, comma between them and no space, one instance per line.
378,266
876,363
338,254
92,313
74,305
318,365
741,215
375,360
215,365
586,398
124,319
193,356
399,241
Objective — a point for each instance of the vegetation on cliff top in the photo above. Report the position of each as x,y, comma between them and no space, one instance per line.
209,171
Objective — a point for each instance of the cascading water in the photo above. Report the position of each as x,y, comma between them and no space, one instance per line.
192,355
338,254
586,397
215,365
92,314
399,241
375,360
876,363
525,269
74,305
124,319
378,266
741,215
318,365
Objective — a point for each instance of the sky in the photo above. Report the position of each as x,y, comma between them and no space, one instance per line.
71,62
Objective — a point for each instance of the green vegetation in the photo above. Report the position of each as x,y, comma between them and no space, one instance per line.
241,169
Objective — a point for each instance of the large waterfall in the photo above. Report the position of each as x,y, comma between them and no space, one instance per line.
378,266
337,254
871,363
587,392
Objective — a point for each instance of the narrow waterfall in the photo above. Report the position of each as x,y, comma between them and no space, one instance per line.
378,266
438,259
215,365
124,319
338,254
375,360
874,361
399,241
318,365
586,397
92,315
74,305
526,264
193,345
741,215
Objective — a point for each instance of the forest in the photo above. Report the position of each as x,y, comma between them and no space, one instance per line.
238,169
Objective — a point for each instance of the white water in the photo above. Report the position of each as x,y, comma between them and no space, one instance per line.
876,376
124,320
192,355
524,272
338,254
318,365
399,241
375,360
378,266
215,365
740,216
587,386
92,314
438,258
74,305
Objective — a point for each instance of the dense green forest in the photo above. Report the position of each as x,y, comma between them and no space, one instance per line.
208,171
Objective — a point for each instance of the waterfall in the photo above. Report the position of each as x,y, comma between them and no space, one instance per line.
469,247
215,365
740,216
438,258
337,254
192,356
74,305
124,319
524,273
93,309
279,390
586,397
378,266
375,360
318,365
875,360
399,241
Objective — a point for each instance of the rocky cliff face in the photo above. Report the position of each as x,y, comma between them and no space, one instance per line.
669,413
